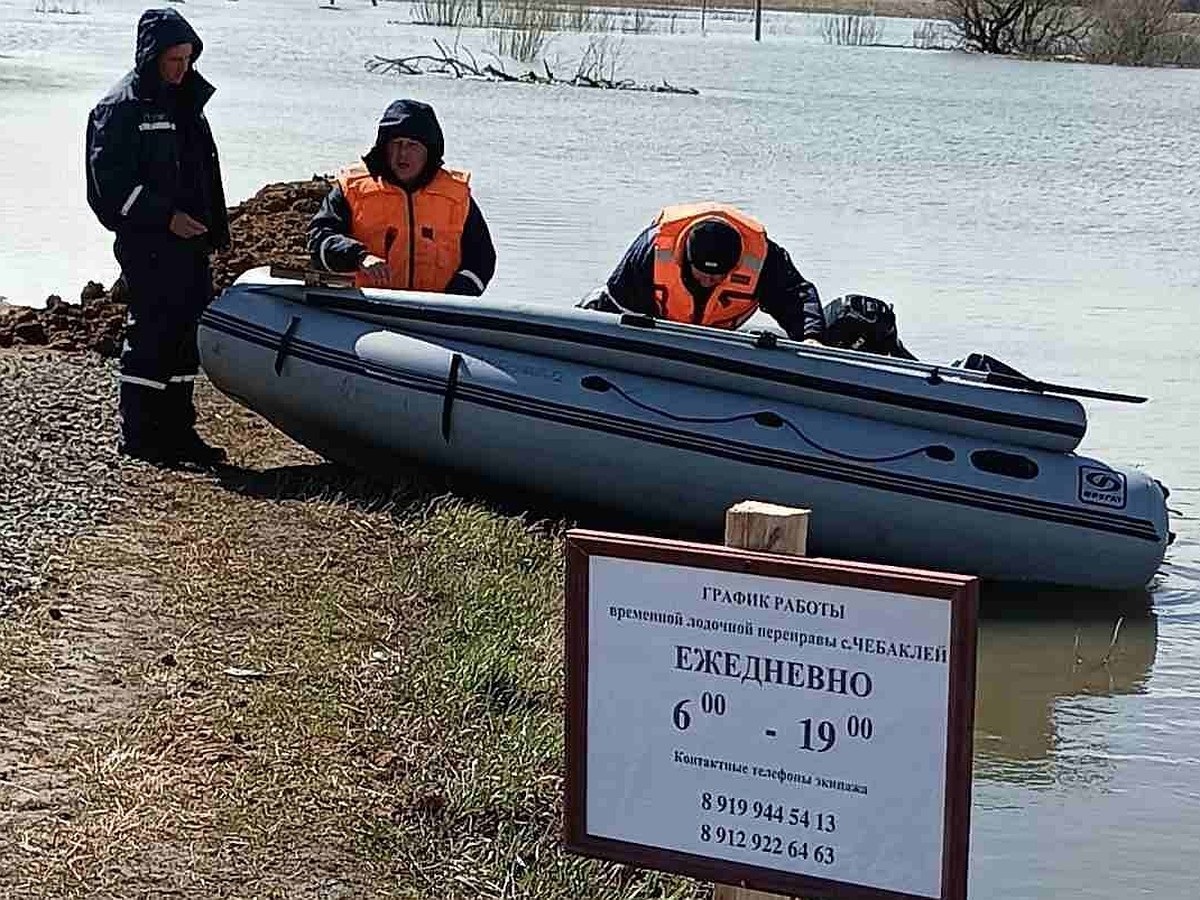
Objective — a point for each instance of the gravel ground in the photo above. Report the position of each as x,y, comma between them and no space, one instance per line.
59,468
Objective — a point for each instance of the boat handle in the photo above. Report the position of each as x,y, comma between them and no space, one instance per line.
285,342
766,340
448,399
637,320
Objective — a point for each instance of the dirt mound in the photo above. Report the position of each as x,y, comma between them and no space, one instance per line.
270,229
97,322
267,229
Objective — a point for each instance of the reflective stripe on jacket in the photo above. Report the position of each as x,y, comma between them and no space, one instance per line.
732,301
418,234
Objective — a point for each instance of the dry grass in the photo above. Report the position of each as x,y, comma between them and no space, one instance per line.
900,9
919,9
286,681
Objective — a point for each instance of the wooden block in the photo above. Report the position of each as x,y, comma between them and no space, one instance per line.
754,525
728,892
313,278
286,272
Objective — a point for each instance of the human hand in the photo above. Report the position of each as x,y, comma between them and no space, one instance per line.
184,226
812,341
375,269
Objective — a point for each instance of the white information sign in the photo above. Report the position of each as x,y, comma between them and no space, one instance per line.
800,726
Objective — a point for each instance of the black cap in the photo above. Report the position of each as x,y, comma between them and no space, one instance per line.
714,247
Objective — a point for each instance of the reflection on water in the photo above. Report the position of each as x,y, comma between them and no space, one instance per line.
1034,660
1087,745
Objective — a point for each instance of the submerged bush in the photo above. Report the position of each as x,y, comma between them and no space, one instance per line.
521,29
73,8
851,30
935,35
452,13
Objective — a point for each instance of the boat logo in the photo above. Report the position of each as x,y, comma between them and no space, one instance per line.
1101,487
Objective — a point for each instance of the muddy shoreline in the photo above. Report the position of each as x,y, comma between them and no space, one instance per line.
58,427
268,228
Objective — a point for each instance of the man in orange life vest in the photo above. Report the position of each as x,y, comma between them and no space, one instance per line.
400,219
711,264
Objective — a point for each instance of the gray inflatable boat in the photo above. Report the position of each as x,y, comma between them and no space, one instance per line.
901,462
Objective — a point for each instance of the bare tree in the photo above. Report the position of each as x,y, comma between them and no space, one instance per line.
1136,33
1027,27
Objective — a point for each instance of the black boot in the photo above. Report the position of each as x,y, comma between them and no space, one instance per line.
191,448
188,446
143,430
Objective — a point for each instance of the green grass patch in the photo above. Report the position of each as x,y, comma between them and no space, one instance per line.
478,812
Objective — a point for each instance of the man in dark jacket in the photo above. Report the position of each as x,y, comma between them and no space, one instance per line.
401,219
153,178
711,264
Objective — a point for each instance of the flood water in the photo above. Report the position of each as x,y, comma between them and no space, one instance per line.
1046,213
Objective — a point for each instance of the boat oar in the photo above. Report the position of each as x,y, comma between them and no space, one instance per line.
1046,387
994,371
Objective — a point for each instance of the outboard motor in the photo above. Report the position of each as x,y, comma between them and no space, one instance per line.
858,322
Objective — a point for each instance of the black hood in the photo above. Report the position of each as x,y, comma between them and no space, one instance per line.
414,120
157,30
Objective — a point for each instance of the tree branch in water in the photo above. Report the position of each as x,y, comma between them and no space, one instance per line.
590,72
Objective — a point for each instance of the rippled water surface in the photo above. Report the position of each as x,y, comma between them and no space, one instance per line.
1046,213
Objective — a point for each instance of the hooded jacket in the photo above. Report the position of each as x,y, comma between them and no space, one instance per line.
335,236
150,151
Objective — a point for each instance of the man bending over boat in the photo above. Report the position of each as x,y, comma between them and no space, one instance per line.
400,219
711,264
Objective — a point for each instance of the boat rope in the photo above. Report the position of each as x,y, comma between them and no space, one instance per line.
448,399
767,419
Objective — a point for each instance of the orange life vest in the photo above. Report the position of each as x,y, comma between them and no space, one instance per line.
418,234
732,301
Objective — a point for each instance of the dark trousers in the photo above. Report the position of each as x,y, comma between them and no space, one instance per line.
169,285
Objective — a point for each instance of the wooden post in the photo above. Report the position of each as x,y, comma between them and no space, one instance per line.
758,20
753,525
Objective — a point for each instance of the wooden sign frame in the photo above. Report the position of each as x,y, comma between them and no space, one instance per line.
961,592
